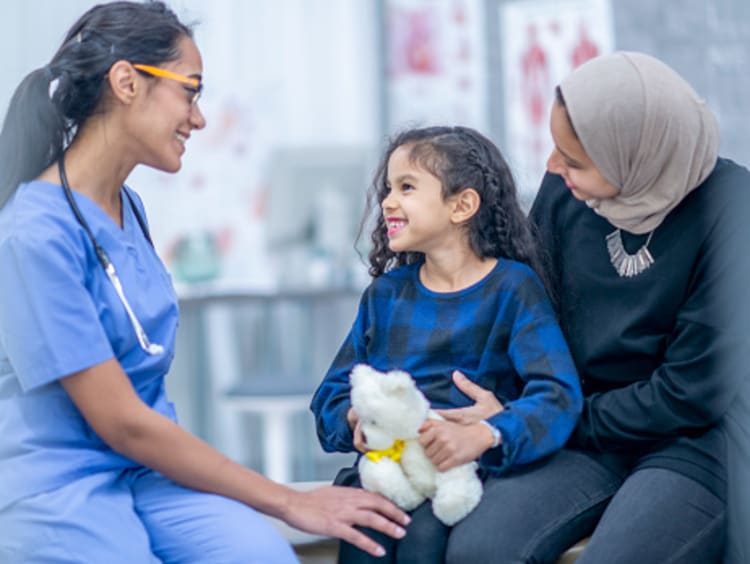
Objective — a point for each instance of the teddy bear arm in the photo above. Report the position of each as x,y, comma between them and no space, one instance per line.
418,468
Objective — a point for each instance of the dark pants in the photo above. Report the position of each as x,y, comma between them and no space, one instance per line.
424,543
535,514
737,424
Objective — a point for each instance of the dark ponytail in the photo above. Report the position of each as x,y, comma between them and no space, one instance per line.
33,134
51,103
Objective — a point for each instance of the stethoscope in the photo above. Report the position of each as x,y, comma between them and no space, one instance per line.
109,268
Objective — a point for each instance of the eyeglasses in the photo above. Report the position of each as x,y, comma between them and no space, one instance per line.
193,85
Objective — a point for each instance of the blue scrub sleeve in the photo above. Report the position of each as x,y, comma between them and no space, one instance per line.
49,323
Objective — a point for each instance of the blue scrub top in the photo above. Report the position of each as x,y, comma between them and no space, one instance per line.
59,314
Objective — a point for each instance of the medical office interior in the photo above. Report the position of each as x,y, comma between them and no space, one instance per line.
258,229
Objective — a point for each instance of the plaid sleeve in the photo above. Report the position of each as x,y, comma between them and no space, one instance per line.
542,418
331,401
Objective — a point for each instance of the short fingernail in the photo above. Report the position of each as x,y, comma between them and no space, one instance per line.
380,552
400,533
407,520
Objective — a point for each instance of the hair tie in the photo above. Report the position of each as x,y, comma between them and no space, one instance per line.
54,81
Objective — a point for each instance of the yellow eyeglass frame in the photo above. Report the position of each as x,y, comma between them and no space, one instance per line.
192,85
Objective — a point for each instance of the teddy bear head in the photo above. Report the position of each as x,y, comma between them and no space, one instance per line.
389,405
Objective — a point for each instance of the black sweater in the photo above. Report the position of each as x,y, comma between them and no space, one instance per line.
655,352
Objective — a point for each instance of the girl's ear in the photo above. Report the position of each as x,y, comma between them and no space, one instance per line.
465,205
122,81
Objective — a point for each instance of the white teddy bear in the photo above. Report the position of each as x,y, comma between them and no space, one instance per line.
391,409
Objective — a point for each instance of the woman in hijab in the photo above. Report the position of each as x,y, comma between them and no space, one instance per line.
644,227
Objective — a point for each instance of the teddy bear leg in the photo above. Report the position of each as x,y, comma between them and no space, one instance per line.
458,492
387,478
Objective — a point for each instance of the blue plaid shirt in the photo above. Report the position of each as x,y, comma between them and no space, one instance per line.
501,333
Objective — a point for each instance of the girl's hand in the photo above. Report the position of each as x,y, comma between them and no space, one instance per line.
486,404
335,510
356,427
449,444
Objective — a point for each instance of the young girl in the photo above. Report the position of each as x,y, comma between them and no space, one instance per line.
455,293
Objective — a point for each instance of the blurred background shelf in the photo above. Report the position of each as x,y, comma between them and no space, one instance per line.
247,365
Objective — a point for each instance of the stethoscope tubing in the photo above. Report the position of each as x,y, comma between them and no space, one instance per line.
106,263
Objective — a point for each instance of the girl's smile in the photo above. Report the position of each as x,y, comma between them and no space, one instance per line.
395,224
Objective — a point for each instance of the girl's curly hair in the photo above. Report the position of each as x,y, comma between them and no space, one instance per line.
460,158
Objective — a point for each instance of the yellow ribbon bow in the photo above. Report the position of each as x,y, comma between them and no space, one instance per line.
393,452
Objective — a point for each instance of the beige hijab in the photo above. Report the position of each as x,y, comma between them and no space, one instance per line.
647,132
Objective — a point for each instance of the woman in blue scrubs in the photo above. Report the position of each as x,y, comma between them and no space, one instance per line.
93,466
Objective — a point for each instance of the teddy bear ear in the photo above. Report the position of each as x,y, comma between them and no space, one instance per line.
359,373
398,381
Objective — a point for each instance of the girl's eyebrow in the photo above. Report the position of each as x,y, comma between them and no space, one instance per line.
403,177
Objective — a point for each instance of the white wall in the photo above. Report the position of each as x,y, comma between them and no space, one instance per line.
31,32
315,60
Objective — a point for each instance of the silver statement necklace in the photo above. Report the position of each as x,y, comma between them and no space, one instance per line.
625,264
